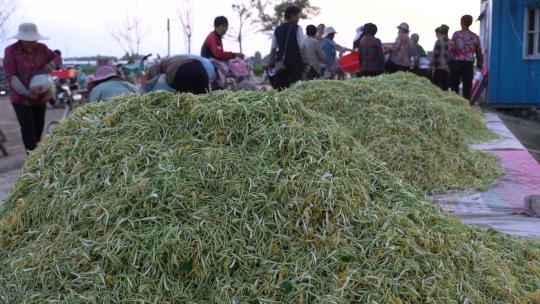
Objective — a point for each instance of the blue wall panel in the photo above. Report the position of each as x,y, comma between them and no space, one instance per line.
514,81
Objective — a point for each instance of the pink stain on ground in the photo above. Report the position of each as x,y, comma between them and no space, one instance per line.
521,179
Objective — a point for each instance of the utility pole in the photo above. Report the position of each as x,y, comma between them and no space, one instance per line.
168,38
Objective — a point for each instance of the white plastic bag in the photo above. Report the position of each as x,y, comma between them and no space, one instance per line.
478,76
41,84
424,63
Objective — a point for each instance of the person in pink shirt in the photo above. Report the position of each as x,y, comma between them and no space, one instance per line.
23,60
463,48
400,53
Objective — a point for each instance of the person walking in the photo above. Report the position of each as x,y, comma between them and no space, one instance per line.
400,53
464,46
23,60
287,55
371,52
439,60
314,52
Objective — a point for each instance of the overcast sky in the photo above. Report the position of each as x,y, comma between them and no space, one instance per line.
80,28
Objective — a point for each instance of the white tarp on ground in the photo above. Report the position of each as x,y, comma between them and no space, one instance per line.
507,140
502,207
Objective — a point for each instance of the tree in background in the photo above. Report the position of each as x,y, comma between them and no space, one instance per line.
269,21
129,33
184,13
258,64
244,12
257,59
7,8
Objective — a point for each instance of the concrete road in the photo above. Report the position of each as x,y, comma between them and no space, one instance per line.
11,164
527,131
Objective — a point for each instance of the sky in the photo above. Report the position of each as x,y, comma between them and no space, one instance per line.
81,28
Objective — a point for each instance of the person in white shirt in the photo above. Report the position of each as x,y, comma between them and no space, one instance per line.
314,52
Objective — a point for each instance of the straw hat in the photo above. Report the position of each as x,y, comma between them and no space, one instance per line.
28,32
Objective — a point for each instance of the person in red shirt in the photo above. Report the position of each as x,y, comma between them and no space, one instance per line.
213,45
23,60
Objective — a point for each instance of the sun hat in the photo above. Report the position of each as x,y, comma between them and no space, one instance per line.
29,32
403,26
105,72
359,32
328,30
90,78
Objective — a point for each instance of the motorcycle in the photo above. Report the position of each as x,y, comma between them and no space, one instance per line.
67,78
67,96
134,72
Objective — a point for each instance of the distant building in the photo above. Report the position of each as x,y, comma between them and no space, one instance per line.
510,35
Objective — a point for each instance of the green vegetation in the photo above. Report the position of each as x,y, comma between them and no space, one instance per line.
246,197
421,132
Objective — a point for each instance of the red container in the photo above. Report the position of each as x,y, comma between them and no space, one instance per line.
350,63
65,74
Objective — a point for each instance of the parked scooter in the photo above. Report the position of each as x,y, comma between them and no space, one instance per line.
63,78
134,72
67,97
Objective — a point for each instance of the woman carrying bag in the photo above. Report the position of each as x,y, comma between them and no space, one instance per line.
287,58
23,60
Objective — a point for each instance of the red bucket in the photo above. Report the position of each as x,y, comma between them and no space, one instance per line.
350,63
65,74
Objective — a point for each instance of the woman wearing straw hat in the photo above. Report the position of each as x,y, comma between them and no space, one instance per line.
400,53
107,85
23,60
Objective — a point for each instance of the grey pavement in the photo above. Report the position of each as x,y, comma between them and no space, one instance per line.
10,165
